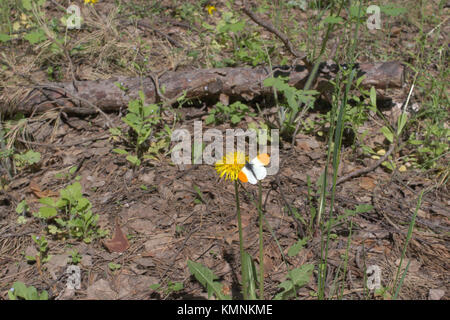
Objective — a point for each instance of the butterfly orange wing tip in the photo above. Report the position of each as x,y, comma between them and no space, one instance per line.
243,177
264,158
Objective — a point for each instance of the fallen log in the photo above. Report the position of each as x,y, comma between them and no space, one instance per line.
244,83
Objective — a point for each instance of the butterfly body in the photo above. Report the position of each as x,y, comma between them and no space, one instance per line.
255,170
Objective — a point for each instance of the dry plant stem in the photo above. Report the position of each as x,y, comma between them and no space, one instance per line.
268,26
367,170
172,41
241,240
66,145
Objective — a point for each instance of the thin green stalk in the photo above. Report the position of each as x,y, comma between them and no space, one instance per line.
261,243
336,157
408,238
241,241
268,227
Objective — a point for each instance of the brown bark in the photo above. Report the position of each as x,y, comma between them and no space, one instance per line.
245,83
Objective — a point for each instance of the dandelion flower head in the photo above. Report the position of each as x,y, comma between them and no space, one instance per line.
230,165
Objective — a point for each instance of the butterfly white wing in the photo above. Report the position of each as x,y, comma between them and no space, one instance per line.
260,171
250,176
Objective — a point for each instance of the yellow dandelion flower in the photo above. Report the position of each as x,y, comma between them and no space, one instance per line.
210,9
230,165
90,1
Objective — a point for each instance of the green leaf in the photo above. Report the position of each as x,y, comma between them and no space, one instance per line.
53,229
44,295
26,4
35,37
20,289
206,277
47,201
142,96
134,106
354,11
301,276
298,277
362,208
249,269
114,266
392,10
73,170
4,37
72,193
235,119
21,207
155,286
32,157
333,20
120,151
47,212
134,160
210,119
401,122
115,131
295,249
387,133
175,286
415,142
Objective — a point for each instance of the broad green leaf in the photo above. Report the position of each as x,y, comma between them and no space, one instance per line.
388,134
134,106
35,37
401,122
206,277
134,160
210,119
301,276
47,212
4,37
26,4
295,249
155,286
235,119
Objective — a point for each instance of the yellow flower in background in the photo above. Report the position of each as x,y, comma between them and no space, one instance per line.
210,9
230,165
90,1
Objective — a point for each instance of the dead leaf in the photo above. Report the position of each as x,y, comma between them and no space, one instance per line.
367,183
119,242
39,193
101,290
56,263
143,226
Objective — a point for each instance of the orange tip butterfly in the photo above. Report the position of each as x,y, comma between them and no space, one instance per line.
255,170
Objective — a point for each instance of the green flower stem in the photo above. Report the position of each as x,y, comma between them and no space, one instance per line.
241,241
261,244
